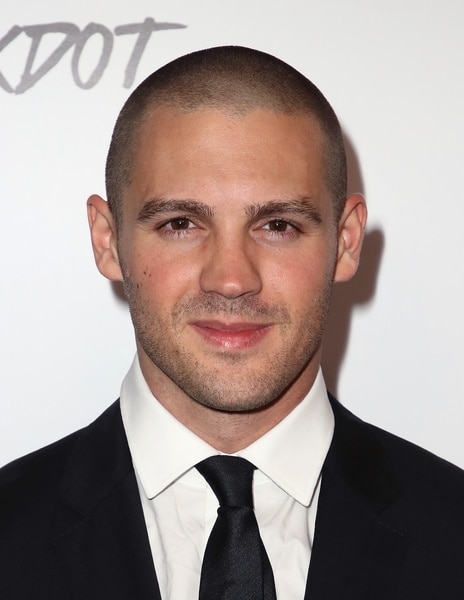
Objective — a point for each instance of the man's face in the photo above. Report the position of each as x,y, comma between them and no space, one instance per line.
227,248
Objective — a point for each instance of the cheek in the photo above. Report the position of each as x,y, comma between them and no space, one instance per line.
163,282
302,276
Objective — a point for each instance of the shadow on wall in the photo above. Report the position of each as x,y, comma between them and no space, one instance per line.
118,291
361,290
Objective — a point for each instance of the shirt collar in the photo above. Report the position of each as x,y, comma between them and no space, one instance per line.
162,449
291,454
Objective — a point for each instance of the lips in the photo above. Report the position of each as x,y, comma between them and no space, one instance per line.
231,336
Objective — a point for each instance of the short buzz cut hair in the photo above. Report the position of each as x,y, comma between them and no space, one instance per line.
230,78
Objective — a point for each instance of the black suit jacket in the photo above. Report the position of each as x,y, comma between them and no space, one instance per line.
390,520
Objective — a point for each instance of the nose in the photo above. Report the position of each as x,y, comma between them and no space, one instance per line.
231,268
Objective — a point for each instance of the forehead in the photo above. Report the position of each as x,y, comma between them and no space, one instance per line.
164,125
177,151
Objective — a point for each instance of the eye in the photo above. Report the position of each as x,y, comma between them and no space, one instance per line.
178,227
178,224
281,227
278,225
277,228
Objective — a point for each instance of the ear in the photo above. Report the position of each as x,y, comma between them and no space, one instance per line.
103,235
350,237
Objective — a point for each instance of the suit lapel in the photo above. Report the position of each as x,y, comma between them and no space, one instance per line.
100,537
358,550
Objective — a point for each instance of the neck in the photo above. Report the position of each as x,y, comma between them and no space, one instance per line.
226,431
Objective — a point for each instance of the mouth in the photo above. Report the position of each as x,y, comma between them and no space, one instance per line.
231,336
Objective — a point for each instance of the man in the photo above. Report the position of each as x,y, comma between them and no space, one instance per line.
228,223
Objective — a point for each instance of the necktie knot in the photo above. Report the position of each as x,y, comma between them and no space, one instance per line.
230,478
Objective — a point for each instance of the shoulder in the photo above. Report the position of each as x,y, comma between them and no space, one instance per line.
393,511
424,484
35,475
29,485
51,492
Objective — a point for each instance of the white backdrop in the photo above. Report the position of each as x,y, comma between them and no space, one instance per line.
393,72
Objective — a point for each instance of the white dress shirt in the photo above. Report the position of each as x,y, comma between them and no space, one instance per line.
180,508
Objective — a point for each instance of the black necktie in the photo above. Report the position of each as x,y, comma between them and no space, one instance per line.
235,565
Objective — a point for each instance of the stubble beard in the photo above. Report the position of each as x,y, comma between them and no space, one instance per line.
210,382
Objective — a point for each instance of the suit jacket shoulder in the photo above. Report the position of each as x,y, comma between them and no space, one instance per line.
390,520
71,522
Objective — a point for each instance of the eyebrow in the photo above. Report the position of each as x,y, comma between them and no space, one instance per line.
302,206
157,206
